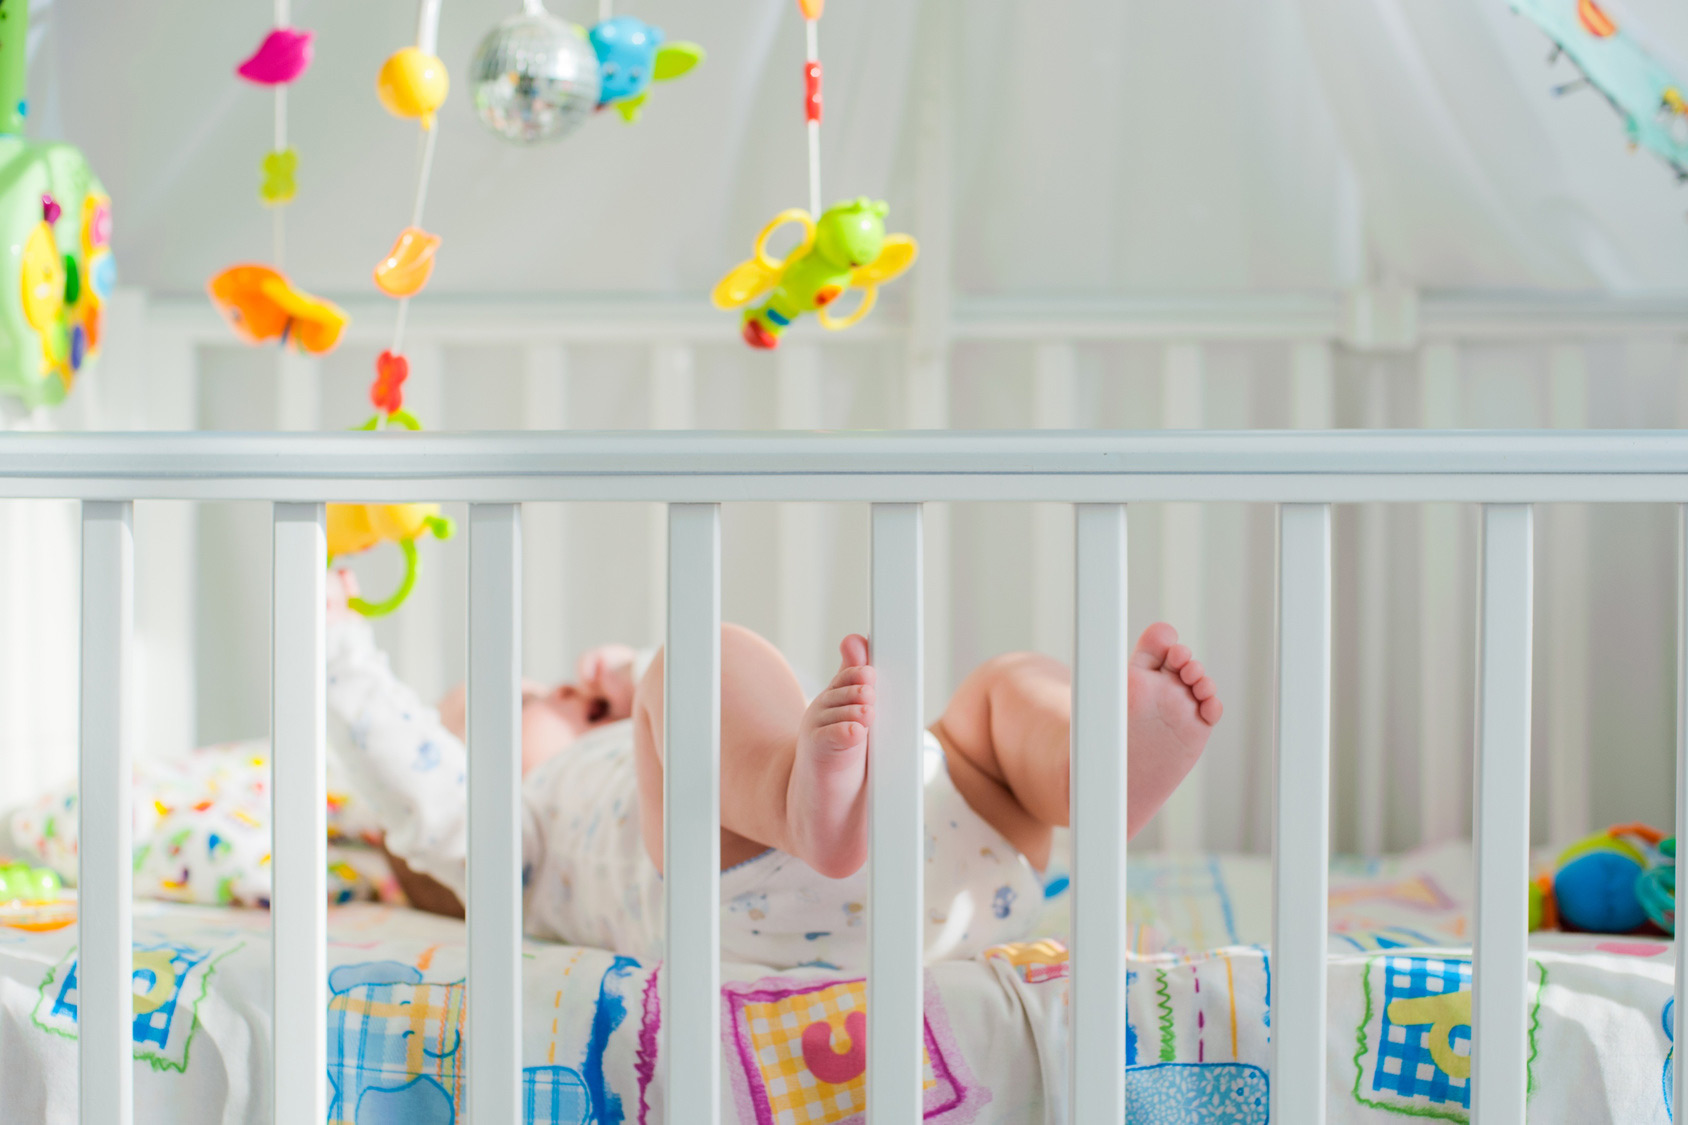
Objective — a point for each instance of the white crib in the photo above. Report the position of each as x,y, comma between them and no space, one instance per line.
1101,473
1404,704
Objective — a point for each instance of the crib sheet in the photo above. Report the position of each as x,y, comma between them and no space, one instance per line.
1200,984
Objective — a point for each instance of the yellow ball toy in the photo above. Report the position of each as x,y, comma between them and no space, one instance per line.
412,84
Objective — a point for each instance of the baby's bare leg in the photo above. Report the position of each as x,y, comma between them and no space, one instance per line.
1006,734
792,773
761,707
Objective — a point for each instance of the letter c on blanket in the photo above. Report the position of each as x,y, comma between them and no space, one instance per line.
830,1066
159,963
1443,1013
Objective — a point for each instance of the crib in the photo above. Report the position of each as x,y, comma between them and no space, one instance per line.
1100,473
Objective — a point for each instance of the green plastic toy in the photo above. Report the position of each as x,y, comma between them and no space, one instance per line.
847,246
20,883
56,270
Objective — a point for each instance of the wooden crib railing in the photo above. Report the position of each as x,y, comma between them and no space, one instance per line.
693,473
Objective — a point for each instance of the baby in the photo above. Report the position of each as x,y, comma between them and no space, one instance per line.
793,791
793,795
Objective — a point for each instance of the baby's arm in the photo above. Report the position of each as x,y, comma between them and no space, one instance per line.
410,768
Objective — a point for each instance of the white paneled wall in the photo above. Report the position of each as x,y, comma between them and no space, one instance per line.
999,576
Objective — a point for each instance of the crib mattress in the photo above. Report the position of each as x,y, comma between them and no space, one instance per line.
1199,988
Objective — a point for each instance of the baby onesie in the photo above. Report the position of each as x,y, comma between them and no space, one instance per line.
586,875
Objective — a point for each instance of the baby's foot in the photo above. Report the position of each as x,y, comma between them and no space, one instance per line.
826,805
1171,708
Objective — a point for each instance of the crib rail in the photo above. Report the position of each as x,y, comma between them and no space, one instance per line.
1303,473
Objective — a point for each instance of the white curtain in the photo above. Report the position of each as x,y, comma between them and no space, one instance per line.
1101,145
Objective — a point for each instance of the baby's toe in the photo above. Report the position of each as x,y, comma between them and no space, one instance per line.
843,695
1210,710
1203,689
841,728
1153,644
853,650
854,674
1191,673
1176,657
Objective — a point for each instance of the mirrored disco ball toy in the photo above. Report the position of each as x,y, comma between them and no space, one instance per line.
534,78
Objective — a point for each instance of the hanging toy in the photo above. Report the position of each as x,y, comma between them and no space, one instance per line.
1613,882
56,269
258,301
632,55
355,528
413,83
281,58
847,247
534,77
406,269
261,306
279,185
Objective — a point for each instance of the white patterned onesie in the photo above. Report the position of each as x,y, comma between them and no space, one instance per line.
587,877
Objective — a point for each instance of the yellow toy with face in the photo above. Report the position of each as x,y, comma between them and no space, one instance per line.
56,269
60,274
355,528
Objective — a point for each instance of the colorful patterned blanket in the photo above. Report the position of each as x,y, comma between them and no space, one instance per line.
1198,1048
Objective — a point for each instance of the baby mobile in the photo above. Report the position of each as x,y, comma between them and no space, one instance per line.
258,301
536,77
262,305
58,270
843,246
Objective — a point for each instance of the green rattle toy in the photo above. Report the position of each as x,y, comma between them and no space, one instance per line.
21,884
846,246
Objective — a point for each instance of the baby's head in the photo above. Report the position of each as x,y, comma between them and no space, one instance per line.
553,717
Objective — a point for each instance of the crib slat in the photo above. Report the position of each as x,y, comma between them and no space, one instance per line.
895,992
104,966
1500,967
1301,843
495,822
1096,1041
1680,1077
691,804
298,795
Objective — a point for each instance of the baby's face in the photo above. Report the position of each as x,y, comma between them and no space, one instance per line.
552,718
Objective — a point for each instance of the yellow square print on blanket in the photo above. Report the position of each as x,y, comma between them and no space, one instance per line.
811,1048
797,1053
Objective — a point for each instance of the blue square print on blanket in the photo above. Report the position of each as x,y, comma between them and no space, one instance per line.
1424,1041
169,980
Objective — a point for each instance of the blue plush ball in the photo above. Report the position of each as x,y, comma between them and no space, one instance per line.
1596,892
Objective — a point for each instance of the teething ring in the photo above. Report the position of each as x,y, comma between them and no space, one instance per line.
870,295
790,215
440,529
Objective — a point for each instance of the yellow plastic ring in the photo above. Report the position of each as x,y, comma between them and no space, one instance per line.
870,295
791,215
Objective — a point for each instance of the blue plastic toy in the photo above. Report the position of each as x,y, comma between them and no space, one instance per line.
1614,882
631,55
